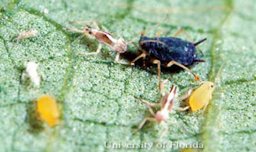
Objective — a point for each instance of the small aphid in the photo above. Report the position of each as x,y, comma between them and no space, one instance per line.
166,105
117,45
32,73
200,97
27,34
48,111
169,51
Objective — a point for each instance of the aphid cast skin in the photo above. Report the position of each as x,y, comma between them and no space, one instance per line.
200,97
27,34
117,45
48,110
168,51
31,72
166,105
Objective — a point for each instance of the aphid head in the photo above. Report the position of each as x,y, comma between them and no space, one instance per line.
33,32
161,115
87,29
31,66
210,85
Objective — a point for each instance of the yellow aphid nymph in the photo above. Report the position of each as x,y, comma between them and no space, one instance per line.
48,110
201,96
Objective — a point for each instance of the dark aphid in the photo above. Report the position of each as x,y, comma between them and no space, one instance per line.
170,48
168,51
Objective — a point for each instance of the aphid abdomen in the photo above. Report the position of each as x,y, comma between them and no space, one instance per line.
201,96
155,48
48,111
169,48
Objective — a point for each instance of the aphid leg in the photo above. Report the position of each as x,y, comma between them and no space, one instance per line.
142,55
144,121
184,67
151,111
185,96
99,48
158,63
117,60
117,57
205,106
94,53
149,104
182,109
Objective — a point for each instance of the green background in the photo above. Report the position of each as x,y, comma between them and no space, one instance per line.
97,96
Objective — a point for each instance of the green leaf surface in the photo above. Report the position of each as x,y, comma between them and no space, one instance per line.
98,97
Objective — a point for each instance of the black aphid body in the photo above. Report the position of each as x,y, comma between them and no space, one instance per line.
168,49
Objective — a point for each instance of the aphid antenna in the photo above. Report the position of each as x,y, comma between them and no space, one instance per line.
155,26
171,97
85,25
74,30
162,86
182,30
89,24
218,75
200,41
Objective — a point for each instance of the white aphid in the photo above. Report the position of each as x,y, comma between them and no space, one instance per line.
32,73
166,105
27,34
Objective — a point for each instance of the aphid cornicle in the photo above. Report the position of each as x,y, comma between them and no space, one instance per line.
200,97
168,51
166,105
48,110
